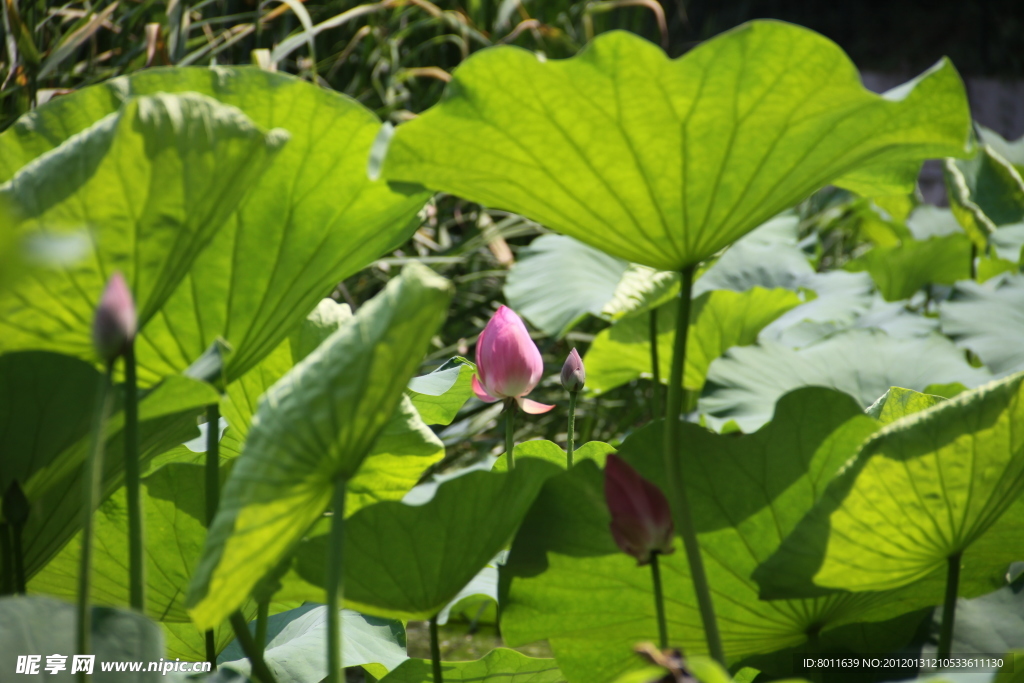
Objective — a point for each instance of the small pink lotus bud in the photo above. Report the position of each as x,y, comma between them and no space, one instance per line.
574,376
113,326
641,518
508,363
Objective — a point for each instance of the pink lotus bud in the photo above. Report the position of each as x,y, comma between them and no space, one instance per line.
508,362
641,519
113,326
574,376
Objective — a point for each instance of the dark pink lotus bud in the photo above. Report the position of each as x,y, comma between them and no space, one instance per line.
574,376
508,363
641,519
113,326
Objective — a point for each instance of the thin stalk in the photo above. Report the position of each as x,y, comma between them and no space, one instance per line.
676,488
136,546
949,606
659,603
212,471
92,481
20,584
435,651
510,429
655,373
571,432
974,259
335,586
6,560
260,670
262,614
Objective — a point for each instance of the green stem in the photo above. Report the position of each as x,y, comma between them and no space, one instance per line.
659,603
136,546
92,482
675,485
212,471
260,670
262,614
435,651
949,606
510,429
655,373
335,586
6,560
974,258
20,584
571,432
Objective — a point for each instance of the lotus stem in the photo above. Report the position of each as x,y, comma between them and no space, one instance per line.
571,430
212,471
335,586
675,485
262,614
260,670
92,481
659,603
136,543
435,651
949,606
15,511
6,560
510,429
655,373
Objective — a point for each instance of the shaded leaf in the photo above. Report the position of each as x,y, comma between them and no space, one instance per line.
744,384
988,319
900,271
985,192
558,280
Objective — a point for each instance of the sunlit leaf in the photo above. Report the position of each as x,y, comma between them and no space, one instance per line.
665,162
310,221
901,270
922,489
311,431
440,395
150,184
500,665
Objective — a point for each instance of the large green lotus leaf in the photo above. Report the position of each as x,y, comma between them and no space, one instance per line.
719,320
38,625
409,561
925,487
175,508
988,319
296,649
571,585
500,665
550,451
558,280
405,448
46,407
440,395
665,162
150,184
899,271
312,430
744,384
985,193
309,222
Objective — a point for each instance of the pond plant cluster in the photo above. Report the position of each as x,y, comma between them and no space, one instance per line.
830,457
